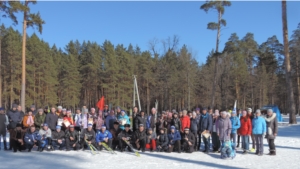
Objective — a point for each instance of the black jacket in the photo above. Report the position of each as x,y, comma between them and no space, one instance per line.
139,135
140,120
190,137
163,140
88,135
205,123
125,134
194,125
73,134
177,123
58,135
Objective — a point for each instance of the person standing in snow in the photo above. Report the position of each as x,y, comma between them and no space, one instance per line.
123,119
51,119
176,122
251,116
140,119
239,115
245,131
77,120
135,115
99,122
105,112
205,125
194,128
33,110
151,119
259,131
28,120
235,125
92,119
39,119
110,120
224,127
215,138
185,121
3,124
84,119
272,130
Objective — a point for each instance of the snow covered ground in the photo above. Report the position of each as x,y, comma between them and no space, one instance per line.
287,144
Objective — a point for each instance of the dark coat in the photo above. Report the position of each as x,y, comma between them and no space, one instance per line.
272,126
177,123
140,120
39,120
89,135
115,133
205,123
2,124
51,120
163,140
139,135
14,118
190,137
194,125
14,132
73,134
58,135
125,134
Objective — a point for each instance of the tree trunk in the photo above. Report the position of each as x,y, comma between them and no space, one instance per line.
298,83
0,68
23,63
289,83
148,98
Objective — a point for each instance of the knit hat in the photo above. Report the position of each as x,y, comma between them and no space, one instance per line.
127,125
258,111
173,127
249,109
32,106
204,108
71,126
186,129
103,127
45,124
58,127
90,125
197,109
117,123
141,125
14,106
150,129
59,107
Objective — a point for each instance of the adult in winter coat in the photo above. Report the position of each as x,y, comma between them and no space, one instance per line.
205,125
188,141
174,140
194,128
72,138
176,122
272,130
125,136
140,119
135,114
224,127
110,120
103,136
33,110
32,137
123,119
185,121
46,134
245,131
14,117
28,120
58,138
3,123
17,136
92,119
259,130
115,130
51,119
151,119
84,119
68,120
235,125
139,138
39,119
251,116
162,141
77,120
100,121
215,138
151,140
88,136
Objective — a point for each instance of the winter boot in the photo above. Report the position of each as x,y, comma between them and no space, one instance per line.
270,152
5,144
273,153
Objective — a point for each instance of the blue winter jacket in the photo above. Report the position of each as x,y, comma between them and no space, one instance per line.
259,125
120,118
205,123
174,137
235,124
101,136
30,137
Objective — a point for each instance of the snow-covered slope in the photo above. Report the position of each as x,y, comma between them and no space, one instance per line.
287,143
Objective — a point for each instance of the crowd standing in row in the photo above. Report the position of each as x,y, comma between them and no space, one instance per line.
171,132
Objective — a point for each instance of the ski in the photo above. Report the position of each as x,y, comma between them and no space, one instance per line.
108,148
129,145
93,149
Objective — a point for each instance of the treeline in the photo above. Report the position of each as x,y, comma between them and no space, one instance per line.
82,72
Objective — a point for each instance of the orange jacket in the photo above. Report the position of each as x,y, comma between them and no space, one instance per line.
185,122
25,121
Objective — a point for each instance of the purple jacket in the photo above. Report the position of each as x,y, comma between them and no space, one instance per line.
223,128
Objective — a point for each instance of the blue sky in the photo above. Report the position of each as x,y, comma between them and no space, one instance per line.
139,22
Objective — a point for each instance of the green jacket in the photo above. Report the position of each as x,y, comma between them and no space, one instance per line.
39,119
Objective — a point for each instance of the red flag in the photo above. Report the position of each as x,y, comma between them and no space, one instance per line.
100,103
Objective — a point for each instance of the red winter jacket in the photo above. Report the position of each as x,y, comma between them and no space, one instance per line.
246,126
185,122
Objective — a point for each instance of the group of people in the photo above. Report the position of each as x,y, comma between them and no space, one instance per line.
169,131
